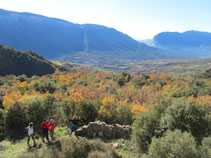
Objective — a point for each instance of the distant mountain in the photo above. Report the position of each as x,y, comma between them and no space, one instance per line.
193,44
55,38
17,62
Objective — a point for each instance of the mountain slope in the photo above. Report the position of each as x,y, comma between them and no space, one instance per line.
53,38
194,44
21,62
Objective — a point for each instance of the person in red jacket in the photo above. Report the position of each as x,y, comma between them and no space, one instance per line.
51,127
44,127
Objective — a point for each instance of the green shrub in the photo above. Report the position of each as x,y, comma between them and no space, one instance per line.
45,86
147,125
87,111
36,112
2,128
1,101
144,128
98,154
190,117
205,148
82,83
124,115
102,149
15,121
73,147
68,109
123,78
50,106
110,90
22,78
174,144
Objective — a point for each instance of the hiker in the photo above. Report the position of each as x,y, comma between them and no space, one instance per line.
74,126
51,127
44,127
30,133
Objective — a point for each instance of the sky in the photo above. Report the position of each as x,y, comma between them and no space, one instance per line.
140,19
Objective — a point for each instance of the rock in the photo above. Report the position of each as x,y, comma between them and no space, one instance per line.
102,129
100,134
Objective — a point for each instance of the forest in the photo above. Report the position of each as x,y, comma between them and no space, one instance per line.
170,116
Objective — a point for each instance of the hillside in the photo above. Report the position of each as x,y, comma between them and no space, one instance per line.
161,109
22,62
194,44
206,74
55,38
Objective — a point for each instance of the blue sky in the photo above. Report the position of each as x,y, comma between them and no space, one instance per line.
140,19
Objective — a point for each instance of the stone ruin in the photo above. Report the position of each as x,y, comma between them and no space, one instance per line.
103,130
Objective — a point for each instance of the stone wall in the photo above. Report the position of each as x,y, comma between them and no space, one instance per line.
101,129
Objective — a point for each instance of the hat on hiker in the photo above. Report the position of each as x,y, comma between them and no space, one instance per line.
31,123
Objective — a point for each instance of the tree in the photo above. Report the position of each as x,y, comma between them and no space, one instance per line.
205,148
15,121
174,144
144,128
36,111
186,116
147,125
125,115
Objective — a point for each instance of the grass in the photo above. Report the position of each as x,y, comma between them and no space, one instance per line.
9,149
20,148
12,150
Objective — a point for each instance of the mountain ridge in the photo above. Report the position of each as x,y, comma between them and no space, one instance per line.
196,44
54,38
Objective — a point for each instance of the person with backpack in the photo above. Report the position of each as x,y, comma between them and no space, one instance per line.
51,127
74,126
44,127
30,133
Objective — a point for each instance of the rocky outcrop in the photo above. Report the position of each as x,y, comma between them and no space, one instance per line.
103,130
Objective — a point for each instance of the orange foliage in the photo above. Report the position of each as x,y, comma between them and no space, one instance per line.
11,98
22,85
136,108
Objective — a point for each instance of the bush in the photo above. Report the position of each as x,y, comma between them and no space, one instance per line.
75,147
15,121
22,78
147,125
190,117
174,144
125,115
1,101
1,123
67,110
45,86
123,78
110,90
144,128
98,154
87,111
143,80
205,148
36,112
99,148
49,104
